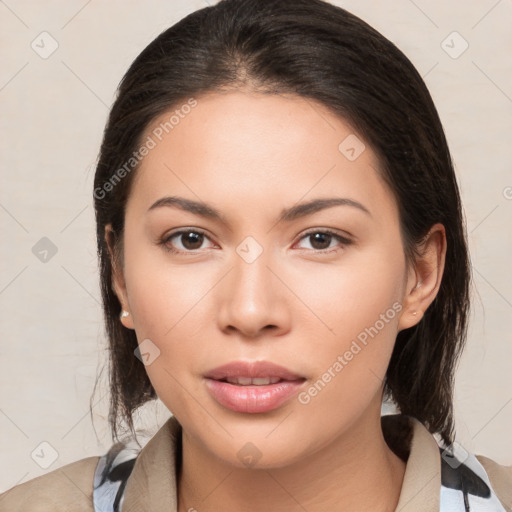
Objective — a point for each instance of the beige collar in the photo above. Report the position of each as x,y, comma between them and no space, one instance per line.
152,485
422,480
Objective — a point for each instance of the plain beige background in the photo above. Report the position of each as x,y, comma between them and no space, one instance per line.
54,108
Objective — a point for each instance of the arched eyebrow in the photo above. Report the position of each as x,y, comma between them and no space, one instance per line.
316,205
287,214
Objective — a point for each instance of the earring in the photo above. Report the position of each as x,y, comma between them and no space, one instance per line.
124,314
414,312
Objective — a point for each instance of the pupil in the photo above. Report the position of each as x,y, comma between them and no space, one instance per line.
317,237
193,238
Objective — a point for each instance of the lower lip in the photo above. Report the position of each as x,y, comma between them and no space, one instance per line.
253,399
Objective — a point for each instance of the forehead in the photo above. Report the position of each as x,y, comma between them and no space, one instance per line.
257,147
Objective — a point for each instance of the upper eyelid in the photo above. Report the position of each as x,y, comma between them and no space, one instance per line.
185,230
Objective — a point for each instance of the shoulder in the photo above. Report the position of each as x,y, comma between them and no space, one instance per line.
55,491
500,478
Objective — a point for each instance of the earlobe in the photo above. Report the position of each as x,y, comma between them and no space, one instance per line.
126,319
425,279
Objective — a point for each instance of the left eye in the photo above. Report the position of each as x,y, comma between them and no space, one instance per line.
321,240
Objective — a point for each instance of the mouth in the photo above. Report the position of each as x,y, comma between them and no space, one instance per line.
248,381
244,370
252,387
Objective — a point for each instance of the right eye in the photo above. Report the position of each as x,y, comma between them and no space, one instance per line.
190,243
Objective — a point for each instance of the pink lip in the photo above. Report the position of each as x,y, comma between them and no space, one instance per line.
252,398
254,370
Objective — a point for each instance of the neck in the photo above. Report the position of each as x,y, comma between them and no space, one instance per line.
357,471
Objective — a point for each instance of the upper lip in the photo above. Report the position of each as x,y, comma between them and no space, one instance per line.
255,369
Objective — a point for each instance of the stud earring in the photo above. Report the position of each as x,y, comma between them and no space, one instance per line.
414,312
124,314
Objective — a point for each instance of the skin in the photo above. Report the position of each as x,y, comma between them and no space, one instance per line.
251,155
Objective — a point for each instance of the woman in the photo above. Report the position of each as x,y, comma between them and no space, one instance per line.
282,248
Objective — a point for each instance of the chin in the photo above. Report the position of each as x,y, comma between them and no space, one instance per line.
259,451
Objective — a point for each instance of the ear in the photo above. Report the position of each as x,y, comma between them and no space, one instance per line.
424,279
118,283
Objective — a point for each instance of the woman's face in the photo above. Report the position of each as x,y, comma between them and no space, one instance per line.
258,284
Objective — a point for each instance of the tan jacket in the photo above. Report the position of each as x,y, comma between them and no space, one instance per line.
151,486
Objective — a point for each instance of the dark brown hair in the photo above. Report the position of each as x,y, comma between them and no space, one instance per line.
318,51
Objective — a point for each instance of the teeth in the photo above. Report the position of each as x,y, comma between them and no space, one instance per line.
247,381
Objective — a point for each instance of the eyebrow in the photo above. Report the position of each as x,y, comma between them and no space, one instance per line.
286,215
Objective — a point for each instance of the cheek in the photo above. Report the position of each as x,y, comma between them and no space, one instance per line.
166,316
356,310
171,307
345,298
160,294
161,301
351,361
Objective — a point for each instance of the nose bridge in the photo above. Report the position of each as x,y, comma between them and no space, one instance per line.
250,301
251,270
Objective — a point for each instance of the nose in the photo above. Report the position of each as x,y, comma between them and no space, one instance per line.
253,298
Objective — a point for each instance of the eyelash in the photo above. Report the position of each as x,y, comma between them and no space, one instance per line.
165,241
